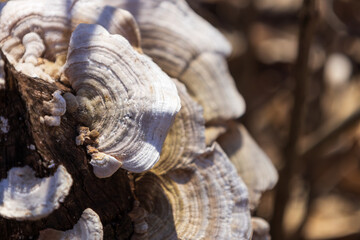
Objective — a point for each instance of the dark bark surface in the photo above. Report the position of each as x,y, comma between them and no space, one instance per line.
111,198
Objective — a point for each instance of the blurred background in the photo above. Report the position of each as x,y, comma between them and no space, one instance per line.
320,192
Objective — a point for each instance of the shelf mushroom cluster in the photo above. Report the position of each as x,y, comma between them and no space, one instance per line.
154,105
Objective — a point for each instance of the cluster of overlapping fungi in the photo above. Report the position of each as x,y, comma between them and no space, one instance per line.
163,105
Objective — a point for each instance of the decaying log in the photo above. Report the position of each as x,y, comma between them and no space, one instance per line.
25,144
98,142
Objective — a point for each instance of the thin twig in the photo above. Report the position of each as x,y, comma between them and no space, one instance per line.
297,235
290,155
331,135
331,175
312,153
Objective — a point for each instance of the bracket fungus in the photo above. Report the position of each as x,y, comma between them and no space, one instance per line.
186,138
121,94
30,30
88,227
204,200
91,65
115,20
56,107
188,48
261,229
36,37
25,197
252,164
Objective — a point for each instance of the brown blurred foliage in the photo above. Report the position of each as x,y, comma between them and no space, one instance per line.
324,184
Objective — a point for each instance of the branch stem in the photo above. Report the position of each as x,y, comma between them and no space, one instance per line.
290,153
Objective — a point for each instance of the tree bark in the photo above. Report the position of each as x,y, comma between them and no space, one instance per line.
21,103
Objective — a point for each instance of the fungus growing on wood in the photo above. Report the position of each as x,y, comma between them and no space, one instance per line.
88,227
26,197
56,107
30,30
115,20
252,164
188,48
36,37
204,200
83,61
123,95
186,138
261,229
